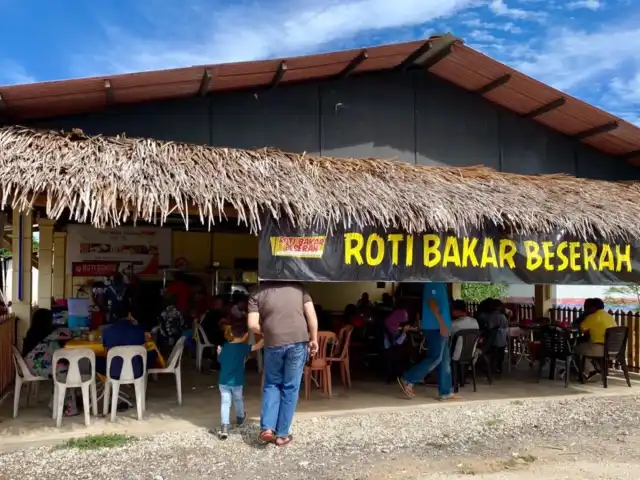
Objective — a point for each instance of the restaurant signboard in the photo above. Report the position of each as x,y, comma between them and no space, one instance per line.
482,255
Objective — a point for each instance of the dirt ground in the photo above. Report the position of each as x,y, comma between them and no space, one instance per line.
610,457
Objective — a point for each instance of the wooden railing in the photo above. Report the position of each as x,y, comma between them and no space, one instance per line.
7,340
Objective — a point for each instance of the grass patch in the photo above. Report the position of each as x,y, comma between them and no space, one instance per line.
517,402
492,422
436,445
466,470
95,442
517,461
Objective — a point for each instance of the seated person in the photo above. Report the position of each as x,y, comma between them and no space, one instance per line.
497,327
596,324
118,298
41,327
239,309
364,303
172,324
121,334
460,321
397,351
586,309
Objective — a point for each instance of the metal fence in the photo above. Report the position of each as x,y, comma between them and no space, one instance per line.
7,341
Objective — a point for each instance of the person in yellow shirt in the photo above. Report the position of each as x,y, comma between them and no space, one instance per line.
595,324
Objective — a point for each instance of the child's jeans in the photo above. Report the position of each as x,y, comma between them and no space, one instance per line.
227,395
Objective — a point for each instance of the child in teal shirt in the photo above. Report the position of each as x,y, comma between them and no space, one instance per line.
232,356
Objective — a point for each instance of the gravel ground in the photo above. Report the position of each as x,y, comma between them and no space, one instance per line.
521,439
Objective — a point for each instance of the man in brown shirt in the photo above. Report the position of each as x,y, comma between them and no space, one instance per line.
284,315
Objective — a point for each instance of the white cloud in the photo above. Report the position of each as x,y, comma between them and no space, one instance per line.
508,27
602,67
12,73
236,33
499,7
482,36
588,4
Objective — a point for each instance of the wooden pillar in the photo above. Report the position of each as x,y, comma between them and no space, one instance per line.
59,265
455,291
22,252
45,262
543,300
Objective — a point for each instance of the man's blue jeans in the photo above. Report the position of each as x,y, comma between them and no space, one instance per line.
283,367
229,394
438,358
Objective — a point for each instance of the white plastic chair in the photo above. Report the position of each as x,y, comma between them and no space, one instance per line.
23,375
173,366
74,378
201,346
127,354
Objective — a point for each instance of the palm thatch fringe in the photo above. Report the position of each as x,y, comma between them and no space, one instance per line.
109,180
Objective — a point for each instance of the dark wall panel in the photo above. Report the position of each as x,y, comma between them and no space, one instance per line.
453,127
286,118
594,164
369,117
185,120
413,117
529,148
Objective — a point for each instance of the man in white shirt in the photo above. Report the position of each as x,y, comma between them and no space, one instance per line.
461,321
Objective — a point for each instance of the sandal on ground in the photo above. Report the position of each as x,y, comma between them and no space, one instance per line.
284,441
266,436
406,388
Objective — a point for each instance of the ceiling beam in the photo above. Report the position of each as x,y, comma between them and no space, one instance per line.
557,103
205,82
108,90
353,64
491,86
277,78
607,127
429,53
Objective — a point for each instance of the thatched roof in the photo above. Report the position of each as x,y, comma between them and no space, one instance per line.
106,181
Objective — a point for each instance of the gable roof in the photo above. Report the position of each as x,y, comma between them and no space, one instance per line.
445,56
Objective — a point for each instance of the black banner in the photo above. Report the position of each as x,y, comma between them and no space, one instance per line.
484,255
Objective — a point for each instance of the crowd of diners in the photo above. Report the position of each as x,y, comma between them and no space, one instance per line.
392,330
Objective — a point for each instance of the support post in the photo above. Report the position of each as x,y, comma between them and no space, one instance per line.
455,291
543,300
22,249
59,265
45,262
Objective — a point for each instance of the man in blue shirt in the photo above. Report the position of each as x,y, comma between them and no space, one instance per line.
435,325
121,334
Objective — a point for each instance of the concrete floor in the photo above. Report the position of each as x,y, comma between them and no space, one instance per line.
201,403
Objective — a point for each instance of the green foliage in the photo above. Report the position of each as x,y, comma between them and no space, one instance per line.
613,294
5,252
476,292
95,442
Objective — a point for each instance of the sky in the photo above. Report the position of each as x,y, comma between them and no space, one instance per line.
588,48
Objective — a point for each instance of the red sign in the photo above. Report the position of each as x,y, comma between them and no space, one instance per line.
94,269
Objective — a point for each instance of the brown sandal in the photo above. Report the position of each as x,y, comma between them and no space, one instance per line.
266,436
284,441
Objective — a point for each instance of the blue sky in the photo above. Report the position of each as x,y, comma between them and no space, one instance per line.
589,48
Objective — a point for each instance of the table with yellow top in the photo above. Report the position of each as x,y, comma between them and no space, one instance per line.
100,351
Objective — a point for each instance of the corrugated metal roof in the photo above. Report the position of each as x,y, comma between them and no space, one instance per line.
445,56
